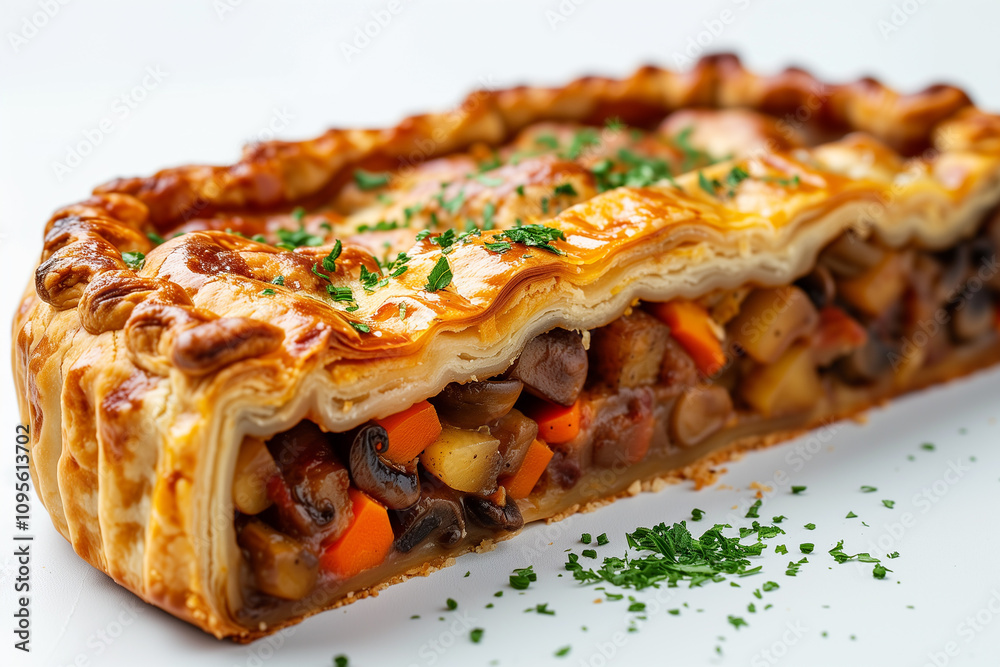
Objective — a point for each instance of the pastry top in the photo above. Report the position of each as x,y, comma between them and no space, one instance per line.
347,277
447,238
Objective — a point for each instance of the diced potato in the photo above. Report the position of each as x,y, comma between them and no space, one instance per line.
282,566
789,385
698,413
465,460
629,351
254,466
879,287
771,320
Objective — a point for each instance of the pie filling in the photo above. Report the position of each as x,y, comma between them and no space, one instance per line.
580,417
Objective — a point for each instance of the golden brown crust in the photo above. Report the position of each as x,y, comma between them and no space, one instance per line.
140,384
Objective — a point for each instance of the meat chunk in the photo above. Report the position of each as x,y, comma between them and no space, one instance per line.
629,351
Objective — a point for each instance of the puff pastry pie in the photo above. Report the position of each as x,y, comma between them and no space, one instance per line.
260,391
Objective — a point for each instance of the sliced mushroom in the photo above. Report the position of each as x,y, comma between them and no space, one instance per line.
515,432
698,413
972,316
553,366
282,566
391,484
849,256
310,494
436,516
868,363
475,404
486,512
819,286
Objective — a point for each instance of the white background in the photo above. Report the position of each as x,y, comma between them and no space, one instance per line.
225,77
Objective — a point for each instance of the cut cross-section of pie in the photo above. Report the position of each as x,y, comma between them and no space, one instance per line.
260,391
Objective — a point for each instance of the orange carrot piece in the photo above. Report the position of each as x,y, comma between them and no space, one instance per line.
365,543
410,431
520,484
556,424
689,325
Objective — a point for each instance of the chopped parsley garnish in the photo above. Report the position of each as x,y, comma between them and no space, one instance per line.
488,181
380,226
778,519
440,276
692,155
589,553
290,239
155,238
268,292
851,515
697,514
134,260
770,586
362,327
879,571
563,652
445,240
566,189
499,247
476,635
489,211
368,180
535,236
793,566
451,205
798,489
278,280
638,172
521,578
889,503
298,213
547,140
807,547
581,141
673,555
810,526
928,446
542,609
737,622
341,661
792,182
781,549
602,539
451,604
868,489
752,512
586,538
519,190
330,261
340,293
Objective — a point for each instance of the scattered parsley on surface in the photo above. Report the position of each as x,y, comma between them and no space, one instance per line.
476,635
798,489
868,489
451,604
522,578
889,503
563,652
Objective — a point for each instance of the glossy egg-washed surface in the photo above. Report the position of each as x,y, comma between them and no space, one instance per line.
143,357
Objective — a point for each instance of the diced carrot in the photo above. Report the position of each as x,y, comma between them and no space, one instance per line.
556,424
365,543
689,325
410,431
520,484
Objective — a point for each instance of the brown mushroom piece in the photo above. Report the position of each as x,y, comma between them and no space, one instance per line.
515,432
698,413
553,366
972,315
282,566
490,514
868,363
437,516
819,286
392,485
310,494
475,404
